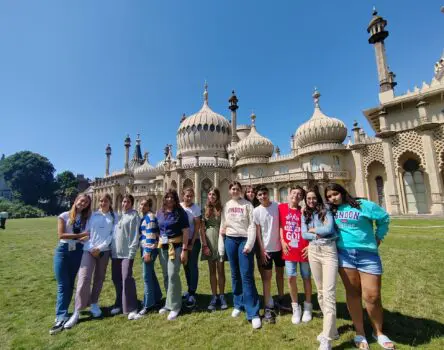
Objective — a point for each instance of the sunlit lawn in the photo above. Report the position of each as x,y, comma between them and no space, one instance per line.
413,297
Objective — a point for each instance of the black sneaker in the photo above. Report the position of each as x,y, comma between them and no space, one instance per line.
58,327
269,316
280,306
191,302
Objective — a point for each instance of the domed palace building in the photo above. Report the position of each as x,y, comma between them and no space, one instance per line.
401,167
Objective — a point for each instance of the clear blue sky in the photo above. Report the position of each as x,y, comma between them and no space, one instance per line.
76,75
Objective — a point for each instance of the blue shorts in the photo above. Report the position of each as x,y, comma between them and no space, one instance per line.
361,260
292,269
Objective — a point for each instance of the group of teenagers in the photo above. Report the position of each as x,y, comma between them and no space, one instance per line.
341,235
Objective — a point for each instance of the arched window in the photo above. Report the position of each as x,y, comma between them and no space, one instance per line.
206,186
414,187
380,190
283,195
187,184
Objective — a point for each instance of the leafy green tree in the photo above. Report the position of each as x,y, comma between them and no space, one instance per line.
67,189
30,176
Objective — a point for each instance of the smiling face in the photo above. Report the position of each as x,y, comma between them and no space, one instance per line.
249,194
170,202
81,203
334,197
311,199
104,204
126,204
212,197
188,198
235,192
295,197
263,197
144,207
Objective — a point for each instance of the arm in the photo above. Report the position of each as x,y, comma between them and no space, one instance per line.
382,220
251,230
328,227
134,237
223,228
63,235
196,229
305,231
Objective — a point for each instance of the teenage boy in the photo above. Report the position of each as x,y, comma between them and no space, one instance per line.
293,253
266,219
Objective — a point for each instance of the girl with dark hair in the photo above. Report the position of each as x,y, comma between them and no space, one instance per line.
250,194
318,228
96,252
210,241
360,266
238,226
71,229
194,214
124,248
173,250
149,239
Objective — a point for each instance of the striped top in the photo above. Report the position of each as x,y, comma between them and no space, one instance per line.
149,232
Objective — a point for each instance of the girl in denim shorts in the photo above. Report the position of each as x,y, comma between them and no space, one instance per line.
359,263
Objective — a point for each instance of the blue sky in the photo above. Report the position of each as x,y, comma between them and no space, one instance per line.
77,75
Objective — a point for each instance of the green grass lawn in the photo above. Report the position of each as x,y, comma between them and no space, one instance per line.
413,298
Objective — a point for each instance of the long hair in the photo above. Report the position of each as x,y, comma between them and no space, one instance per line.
213,208
255,201
84,214
110,200
319,207
173,193
347,198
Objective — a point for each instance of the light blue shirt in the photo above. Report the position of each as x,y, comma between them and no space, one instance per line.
324,228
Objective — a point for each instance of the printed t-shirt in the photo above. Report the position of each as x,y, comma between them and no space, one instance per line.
290,222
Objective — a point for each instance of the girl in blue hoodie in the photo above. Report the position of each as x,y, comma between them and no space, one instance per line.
360,266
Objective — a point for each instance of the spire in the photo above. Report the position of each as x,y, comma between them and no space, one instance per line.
316,95
375,12
253,120
205,94
137,155
108,149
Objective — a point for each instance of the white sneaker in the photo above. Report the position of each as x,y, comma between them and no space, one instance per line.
235,313
95,310
115,311
325,344
134,315
212,305
172,315
321,335
256,322
306,316
163,311
72,321
223,302
296,317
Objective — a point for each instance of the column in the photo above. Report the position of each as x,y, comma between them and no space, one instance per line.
436,187
275,193
360,180
216,179
179,182
392,189
197,186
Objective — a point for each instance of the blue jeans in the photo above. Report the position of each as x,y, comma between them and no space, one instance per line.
192,268
361,260
66,266
152,293
242,276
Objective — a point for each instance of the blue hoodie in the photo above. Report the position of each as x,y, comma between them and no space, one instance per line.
355,226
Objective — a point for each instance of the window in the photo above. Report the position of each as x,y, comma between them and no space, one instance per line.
380,190
245,173
315,163
283,169
259,172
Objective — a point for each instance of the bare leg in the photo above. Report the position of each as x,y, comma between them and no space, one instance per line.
221,276
266,282
352,284
213,277
307,290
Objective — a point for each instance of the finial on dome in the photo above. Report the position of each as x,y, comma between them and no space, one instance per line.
316,95
375,12
138,139
127,141
253,119
184,116
108,149
205,93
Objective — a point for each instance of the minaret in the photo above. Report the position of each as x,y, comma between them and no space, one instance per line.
377,31
127,147
233,107
108,158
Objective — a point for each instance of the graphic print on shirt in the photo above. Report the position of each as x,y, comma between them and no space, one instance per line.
292,229
347,218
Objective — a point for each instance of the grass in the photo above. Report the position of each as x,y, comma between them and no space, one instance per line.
413,298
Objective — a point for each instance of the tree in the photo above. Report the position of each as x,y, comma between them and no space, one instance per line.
30,176
67,188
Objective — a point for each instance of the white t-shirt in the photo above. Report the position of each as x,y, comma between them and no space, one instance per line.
193,212
69,227
268,219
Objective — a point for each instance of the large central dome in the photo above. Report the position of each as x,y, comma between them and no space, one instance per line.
204,132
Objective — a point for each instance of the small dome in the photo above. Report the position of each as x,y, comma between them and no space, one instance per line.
254,145
204,132
145,168
320,128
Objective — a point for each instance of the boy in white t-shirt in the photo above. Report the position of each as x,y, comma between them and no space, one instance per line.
266,219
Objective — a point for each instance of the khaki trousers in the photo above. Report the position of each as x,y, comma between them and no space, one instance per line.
324,268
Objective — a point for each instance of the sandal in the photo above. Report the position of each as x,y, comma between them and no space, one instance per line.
360,342
382,340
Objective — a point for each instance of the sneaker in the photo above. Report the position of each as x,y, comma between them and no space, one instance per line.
133,315
212,305
256,322
95,310
306,316
223,302
269,316
72,321
115,311
58,327
235,313
325,344
280,306
144,311
163,311
335,337
185,295
296,317
191,302
172,315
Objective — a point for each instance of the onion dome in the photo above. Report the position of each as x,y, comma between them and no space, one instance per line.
254,147
320,128
145,169
204,132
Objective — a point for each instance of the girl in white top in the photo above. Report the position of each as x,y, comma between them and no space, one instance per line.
238,226
95,259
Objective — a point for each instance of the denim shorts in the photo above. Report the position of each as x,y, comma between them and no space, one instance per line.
292,269
361,260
